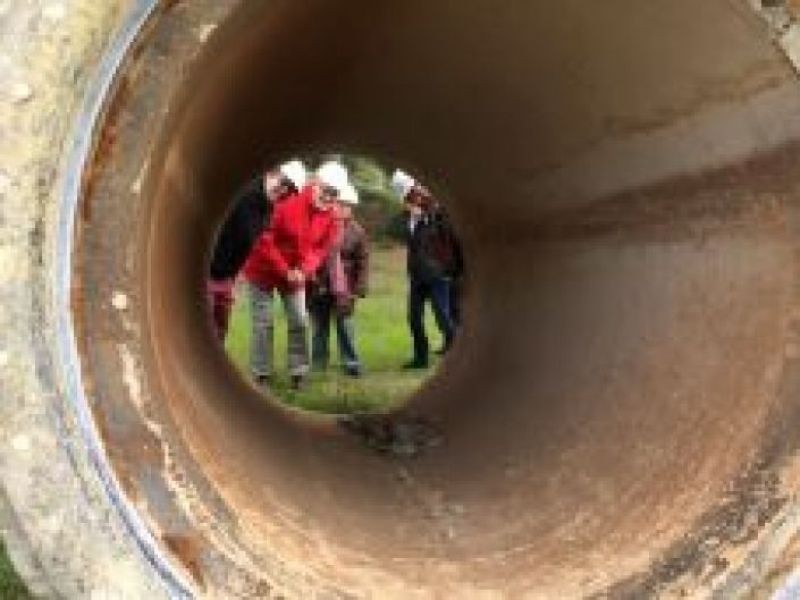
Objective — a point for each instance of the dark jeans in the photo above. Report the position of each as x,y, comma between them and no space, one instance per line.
438,292
456,286
322,311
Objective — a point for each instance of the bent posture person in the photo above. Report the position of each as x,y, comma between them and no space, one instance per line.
337,285
261,325
285,257
251,213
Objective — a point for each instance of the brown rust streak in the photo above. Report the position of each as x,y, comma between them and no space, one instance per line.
731,199
794,7
761,77
188,550
758,78
104,145
120,98
168,5
139,443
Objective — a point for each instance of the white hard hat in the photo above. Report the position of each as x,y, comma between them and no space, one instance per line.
333,174
349,195
295,171
402,183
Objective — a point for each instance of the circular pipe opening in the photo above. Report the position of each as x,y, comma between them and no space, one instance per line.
362,351
632,267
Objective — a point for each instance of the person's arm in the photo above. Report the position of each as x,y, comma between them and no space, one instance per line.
445,247
453,250
361,260
248,219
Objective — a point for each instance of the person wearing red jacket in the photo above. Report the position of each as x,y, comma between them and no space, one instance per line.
249,216
285,257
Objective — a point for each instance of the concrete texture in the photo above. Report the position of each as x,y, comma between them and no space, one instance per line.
629,434
63,534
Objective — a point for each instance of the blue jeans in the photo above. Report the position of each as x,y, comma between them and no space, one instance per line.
438,292
322,311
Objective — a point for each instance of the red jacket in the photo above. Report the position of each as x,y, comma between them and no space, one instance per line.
299,236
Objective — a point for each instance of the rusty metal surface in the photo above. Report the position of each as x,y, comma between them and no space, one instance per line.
76,186
618,417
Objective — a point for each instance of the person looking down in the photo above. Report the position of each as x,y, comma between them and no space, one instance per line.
251,213
285,257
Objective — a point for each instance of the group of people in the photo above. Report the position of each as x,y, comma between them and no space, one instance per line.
292,233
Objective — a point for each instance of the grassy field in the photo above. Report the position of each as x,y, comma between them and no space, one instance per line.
383,342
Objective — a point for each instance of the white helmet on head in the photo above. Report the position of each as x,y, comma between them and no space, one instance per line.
295,171
333,174
349,195
402,183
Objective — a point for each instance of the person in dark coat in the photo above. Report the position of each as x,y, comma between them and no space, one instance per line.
250,215
340,281
429,242
251,212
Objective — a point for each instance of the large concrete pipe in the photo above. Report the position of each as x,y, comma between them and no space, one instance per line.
620,416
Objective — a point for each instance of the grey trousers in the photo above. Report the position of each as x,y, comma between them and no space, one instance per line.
263,331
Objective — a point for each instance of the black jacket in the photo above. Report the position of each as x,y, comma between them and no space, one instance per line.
433,249
249,216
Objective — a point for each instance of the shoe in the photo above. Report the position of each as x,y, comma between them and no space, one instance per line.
353,371
298,382
415,364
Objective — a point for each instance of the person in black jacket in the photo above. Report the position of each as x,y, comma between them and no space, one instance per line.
430,259
249,216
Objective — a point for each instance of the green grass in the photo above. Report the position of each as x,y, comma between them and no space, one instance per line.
383,343
11,586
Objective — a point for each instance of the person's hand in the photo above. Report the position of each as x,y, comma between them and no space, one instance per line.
296,277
